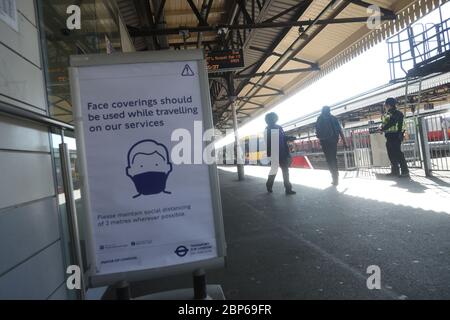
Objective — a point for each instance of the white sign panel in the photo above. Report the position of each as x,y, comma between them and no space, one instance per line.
8,13
145,211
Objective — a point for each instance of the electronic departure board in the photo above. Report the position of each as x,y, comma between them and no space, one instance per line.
225,60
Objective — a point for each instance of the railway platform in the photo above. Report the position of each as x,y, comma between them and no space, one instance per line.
319,243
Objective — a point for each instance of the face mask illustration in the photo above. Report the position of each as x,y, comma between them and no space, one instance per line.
148,167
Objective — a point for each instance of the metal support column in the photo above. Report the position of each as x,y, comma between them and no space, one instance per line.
239,154
424,146
416,120
71,213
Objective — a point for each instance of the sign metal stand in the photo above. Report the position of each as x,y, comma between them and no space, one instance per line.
121,279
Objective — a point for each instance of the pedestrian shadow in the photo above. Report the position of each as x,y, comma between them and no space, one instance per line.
439,182
331,188
436,183
405,183
385,177
411,185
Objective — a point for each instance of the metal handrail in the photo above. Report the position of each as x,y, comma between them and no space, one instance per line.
33,116
417,44
430,43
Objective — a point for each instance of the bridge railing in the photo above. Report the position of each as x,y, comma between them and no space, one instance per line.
417,46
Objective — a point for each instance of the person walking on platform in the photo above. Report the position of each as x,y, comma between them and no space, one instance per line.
284,157
328,131
392,126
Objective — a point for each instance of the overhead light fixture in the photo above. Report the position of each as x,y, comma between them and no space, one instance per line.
185,33
302,34
222,31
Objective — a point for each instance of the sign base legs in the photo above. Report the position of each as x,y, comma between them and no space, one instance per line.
123,291
200,291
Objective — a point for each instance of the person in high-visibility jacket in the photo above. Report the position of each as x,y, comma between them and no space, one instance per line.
393,128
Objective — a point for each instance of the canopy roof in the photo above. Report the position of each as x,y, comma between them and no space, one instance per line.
287,44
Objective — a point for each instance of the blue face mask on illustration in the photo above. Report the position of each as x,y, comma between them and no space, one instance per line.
150,182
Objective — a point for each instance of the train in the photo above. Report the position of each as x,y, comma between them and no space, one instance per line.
306,152
254,153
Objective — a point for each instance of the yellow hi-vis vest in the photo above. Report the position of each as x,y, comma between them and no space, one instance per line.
395,128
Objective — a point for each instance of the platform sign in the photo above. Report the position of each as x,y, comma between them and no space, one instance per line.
146,214
225,60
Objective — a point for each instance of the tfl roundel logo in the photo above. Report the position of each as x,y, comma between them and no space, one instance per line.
181,251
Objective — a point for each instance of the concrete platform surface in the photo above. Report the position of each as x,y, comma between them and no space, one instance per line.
319,243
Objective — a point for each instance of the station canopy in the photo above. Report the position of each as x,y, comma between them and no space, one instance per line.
286,44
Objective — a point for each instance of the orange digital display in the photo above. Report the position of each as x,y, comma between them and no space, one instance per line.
225,60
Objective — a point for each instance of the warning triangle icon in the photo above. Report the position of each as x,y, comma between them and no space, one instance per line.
187,71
